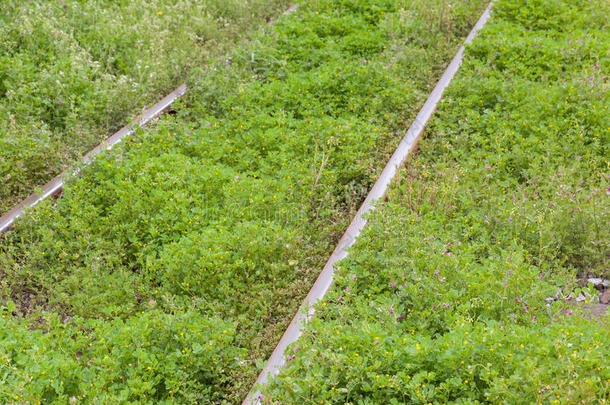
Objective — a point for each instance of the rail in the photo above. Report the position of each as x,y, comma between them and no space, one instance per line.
325,279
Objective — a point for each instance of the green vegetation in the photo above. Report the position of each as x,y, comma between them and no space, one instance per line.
171,265
444,298
74,71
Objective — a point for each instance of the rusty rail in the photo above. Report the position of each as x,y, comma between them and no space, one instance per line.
54,186
325,279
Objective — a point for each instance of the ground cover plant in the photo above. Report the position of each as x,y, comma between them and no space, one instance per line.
73,71
170,266
466,286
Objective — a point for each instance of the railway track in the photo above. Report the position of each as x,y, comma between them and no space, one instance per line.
325,279
437,271
55,185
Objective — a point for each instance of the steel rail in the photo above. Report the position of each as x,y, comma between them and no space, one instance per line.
325,279
54,186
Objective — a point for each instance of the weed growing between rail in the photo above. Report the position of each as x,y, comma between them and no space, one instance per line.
169,269
72,72
464,286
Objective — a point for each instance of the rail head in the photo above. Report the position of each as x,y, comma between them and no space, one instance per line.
325,279
54,186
